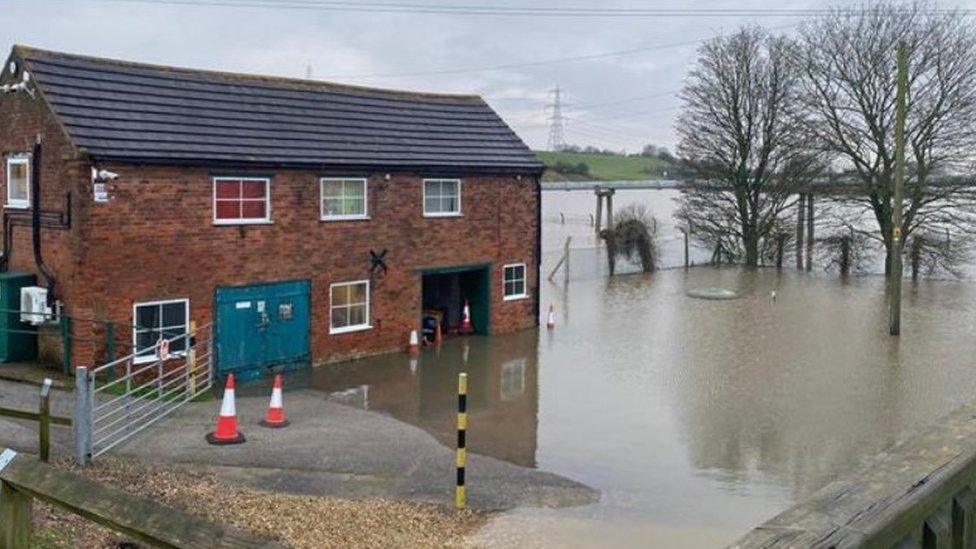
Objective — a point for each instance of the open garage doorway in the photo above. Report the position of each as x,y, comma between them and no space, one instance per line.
445,291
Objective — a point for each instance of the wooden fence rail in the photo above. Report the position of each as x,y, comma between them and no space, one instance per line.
23,478
43,418
919,493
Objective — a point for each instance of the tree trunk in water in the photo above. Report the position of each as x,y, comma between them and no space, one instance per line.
799,231
752,251
809,232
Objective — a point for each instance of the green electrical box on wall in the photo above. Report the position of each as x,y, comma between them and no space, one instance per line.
18,340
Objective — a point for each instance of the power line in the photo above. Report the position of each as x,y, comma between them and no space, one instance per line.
528,11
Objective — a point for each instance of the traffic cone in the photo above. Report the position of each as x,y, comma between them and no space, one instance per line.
226,431
276,412
414,348
551,321
465,327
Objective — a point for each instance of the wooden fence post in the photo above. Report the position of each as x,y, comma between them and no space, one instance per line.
15,513
44,422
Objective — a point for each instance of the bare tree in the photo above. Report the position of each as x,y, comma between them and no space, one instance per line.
740,128
849,89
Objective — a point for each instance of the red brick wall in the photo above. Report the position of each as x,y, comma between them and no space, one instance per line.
22,119
155,239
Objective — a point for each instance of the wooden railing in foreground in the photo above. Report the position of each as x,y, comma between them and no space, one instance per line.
920,493
22,478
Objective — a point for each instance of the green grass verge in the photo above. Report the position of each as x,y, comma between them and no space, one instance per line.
604,167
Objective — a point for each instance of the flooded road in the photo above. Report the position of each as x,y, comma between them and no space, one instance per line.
696,419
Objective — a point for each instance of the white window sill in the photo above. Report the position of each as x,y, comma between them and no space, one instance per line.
233,222
17,205
344,218
515,297
350,329
435,215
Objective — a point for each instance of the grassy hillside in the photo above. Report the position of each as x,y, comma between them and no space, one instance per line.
604,167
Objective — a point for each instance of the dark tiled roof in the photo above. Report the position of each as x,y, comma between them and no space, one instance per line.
134,112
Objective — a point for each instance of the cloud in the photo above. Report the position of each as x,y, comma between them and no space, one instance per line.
354,47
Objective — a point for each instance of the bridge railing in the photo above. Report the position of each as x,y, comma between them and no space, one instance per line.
919,493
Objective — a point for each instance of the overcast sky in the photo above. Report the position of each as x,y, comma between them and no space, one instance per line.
616,101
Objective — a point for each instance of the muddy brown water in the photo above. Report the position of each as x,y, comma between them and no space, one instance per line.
696,419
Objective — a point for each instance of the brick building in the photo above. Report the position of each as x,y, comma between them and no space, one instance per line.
307,221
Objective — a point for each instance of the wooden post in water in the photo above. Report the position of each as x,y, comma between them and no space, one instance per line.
809,232
599,210
686,230
799,231
610,193
894,324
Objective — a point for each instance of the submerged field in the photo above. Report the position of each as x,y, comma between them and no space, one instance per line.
696,419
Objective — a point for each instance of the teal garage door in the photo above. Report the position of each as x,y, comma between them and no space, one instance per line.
262,328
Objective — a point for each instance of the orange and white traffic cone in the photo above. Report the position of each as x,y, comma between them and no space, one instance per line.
275,417
551,321
414,348
226,431
465,327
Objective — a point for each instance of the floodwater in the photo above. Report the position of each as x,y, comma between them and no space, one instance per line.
696,419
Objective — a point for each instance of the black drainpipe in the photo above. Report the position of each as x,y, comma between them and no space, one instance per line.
35,197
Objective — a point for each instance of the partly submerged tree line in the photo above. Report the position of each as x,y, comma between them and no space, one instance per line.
766,115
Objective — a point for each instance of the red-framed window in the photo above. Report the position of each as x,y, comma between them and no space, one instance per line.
242,200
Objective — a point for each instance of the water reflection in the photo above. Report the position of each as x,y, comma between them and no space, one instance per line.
691,416
503,392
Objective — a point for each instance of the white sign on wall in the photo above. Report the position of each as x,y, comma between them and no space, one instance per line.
100,192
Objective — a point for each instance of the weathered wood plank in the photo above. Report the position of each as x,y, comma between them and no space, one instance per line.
33,416
132,515
889,499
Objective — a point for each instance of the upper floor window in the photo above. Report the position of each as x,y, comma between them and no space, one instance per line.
343,198
155,320
18,182
240,200
514,281
442,197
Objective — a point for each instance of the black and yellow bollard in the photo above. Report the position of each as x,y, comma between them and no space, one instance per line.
460,496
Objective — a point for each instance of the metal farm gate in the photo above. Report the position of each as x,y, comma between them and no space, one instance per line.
117,400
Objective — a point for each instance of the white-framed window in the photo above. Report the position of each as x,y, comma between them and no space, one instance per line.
18,181
152,320
241,200
349,306
343,198
513,282
442,197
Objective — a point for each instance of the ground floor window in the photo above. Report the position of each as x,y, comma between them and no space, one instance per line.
153,320
514,281
349,306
